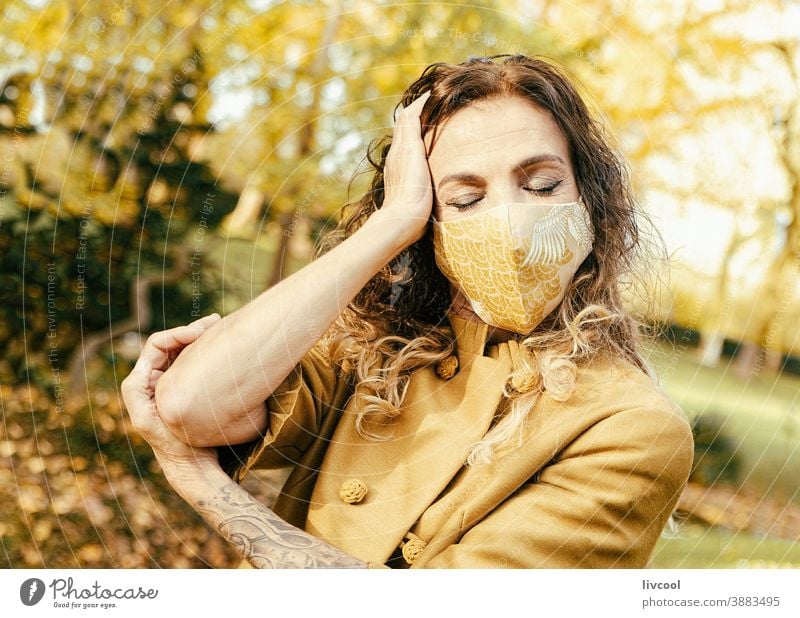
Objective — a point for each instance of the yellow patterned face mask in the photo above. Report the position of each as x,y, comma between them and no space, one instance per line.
513,262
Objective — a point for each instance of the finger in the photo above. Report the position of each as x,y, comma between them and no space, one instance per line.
165,337
414,109
206,321
162,347
159,345
155,374
420,101
417,104
408,116
408,122
137,380
142,368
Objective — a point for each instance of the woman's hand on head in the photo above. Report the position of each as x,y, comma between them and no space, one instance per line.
138,392
408,190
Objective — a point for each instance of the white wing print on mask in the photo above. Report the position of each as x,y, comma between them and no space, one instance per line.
549,237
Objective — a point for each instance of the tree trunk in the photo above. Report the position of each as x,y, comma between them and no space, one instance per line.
306,138
279,263
746,364
710,350
243,220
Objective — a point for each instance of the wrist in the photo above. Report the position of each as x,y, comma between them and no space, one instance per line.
195,472
396,233
196,485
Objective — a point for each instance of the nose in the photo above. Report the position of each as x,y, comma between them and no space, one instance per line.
505,194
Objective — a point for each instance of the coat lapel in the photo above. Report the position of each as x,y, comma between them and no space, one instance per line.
439,421
477,491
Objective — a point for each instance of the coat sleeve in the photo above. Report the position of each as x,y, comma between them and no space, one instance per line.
313,389
602,503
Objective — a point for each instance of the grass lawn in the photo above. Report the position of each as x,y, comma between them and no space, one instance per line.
757,424
701,547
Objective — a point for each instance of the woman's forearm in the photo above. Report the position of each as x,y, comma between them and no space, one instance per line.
262,538
215,390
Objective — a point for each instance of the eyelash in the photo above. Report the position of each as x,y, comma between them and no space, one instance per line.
543,191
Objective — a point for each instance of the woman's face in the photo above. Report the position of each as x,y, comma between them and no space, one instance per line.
495,151
492,152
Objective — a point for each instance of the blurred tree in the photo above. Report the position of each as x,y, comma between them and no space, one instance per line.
134,128
704,99
131,127
130,131
100,112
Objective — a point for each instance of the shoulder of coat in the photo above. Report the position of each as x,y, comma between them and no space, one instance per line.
620,384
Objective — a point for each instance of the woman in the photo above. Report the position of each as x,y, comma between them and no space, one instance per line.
454,378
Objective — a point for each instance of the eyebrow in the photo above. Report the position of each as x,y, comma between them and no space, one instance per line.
522,165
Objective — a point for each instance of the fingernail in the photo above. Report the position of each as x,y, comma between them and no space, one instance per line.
201,322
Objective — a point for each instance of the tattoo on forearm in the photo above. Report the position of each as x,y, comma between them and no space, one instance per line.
266,540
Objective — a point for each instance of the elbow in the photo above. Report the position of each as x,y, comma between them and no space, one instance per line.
196,422
178,412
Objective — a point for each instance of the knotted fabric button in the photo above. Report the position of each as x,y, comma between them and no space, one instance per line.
353,491
523,383
413,548
522,362
446,368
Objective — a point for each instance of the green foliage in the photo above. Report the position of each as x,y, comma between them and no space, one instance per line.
121,171
68,274
119,161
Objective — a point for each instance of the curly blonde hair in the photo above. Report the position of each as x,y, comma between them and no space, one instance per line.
398,322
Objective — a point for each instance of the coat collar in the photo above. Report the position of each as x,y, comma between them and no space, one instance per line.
471,342
470,337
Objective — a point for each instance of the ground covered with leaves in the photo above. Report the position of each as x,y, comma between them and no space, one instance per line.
78,488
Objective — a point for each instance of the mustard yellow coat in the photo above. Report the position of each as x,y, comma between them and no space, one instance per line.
592,484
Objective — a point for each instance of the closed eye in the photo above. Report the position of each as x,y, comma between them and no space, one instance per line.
548,190
541,191
464,205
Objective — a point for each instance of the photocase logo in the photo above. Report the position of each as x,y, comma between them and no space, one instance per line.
31,591
68,594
